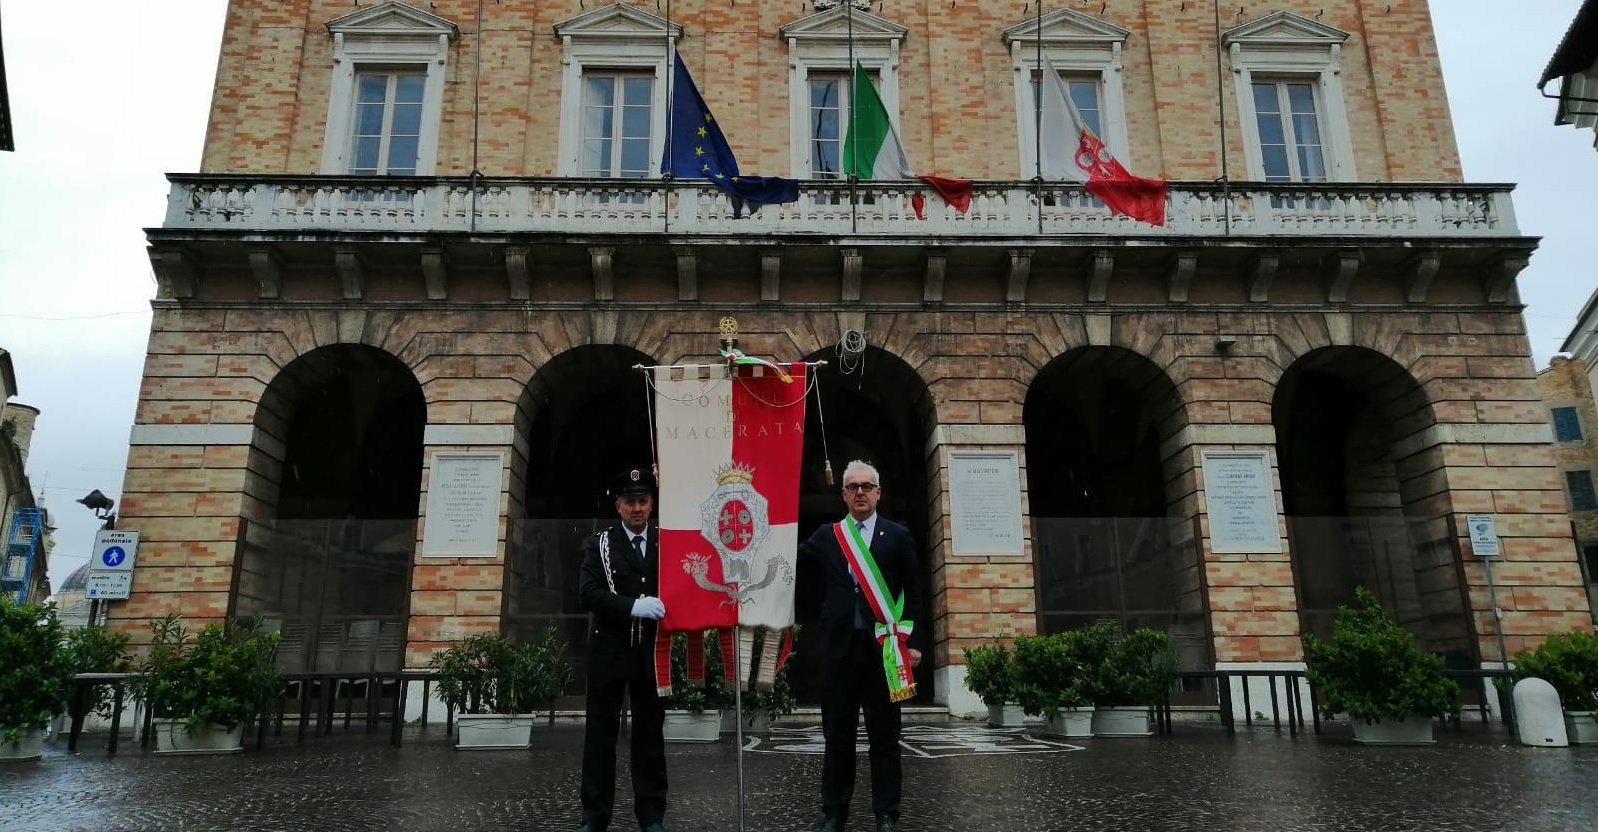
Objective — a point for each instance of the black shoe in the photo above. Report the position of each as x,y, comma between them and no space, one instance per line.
589,826
832,825
887,824
657,826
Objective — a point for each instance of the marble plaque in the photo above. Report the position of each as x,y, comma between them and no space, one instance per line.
985,496
1242,502
462,518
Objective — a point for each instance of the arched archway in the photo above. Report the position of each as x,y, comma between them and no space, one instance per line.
1353,517
583,417
1107,546
336,465
880,411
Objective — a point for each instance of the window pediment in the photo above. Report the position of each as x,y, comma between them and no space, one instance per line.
833,24
391,19
1064,27
1285,29
616,22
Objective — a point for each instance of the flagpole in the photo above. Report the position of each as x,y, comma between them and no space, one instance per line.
671,69
738,713
1220,128
1037,108
849,142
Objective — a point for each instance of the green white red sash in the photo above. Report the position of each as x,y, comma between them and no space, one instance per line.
892,631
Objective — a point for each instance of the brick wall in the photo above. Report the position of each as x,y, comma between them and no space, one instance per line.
957,100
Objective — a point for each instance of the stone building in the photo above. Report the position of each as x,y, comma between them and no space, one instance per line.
418,231
25,539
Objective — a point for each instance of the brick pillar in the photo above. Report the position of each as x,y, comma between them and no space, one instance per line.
975,599
454,597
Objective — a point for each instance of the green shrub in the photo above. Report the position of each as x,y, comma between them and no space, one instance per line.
715,694
1569,662
1049,672
222,676
987,673
1372,670
1136,670
34,669
96,650
487,674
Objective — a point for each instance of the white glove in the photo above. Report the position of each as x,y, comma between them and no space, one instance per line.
650,608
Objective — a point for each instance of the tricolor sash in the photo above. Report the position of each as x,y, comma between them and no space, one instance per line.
892,631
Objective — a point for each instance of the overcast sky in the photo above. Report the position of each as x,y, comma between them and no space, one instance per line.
105,107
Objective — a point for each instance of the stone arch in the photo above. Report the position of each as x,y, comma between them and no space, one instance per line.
334,480
1109,539
583,416
1358,499
879,410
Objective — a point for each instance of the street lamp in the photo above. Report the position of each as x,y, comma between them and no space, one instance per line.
102,506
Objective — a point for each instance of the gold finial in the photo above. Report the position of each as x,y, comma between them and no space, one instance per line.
729,332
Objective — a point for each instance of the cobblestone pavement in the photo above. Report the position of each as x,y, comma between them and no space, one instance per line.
956,778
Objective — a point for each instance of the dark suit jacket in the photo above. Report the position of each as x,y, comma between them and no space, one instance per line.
895,553
610,647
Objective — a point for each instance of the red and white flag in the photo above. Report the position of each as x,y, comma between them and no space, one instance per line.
729,441
1070,149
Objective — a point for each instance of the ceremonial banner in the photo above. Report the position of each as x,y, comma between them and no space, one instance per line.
729,440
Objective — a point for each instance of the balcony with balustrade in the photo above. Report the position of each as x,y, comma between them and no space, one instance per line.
520,228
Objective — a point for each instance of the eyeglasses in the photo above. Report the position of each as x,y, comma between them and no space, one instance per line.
867,487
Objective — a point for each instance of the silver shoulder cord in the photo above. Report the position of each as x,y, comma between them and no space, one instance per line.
604,559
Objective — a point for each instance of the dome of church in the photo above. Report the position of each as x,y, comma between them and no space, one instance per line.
76,582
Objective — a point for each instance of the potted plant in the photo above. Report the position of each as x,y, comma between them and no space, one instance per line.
497,688
1372,671
1126,679
764,704
203,690
94,649
1569,662
33,686
1049,679
988,675
693,712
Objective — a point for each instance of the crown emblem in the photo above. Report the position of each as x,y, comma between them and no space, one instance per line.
734,472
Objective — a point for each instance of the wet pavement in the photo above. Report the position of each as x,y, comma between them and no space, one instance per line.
956,778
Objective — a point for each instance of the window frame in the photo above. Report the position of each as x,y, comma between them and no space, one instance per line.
1076,45
1575,415
387,38
1289,133
1591,489
385,134
819,44
618,119
612,39
1284,46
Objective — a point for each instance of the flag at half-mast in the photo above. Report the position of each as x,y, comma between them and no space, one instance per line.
1069,149
729,439
872,150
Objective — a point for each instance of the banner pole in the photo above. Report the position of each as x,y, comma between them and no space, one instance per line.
738,716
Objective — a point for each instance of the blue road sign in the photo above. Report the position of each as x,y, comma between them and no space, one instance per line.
113,556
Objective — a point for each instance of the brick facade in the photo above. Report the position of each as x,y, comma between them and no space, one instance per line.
1458,426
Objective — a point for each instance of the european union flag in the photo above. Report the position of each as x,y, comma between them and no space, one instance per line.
697,149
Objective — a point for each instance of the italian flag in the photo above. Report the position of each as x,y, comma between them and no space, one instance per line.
872,150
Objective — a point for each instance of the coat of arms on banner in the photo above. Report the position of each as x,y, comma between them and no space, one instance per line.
736,522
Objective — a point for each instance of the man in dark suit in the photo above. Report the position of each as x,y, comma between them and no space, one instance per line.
619,588
852,672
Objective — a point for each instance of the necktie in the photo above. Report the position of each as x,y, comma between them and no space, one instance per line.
638,546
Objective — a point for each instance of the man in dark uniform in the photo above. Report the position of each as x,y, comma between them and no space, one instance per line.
619,588
852,673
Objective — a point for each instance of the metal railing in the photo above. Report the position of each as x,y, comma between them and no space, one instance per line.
1288,706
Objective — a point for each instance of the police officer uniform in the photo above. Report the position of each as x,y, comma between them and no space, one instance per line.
620,567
